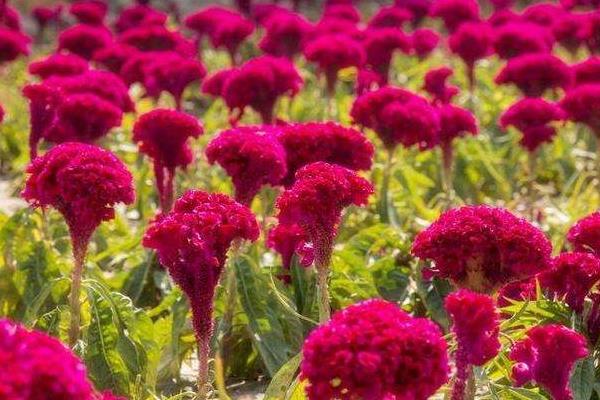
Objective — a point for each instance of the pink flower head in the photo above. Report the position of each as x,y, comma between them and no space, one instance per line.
571,277
91,12
502,17
585,234
436,85
81,181
544,14
44,15
589,31
587,71
517,291
261,12
13,44
398,117
38,366
482,248
367,81
285,34
531,116
205,21
316,200
114,56
259,83
582,104
547,356
566,30
374,350
502,4
163,135
306,143
418,8
455,12
336,26
533,74
380,44
58,65
455,122
472,41
342,11
84,40
139,15
154,38
10,17
251,156
390,17
518,38
332,53
43,100
424,41
288,240
192,243
230,31
213,85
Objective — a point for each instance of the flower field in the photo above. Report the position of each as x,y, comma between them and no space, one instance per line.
321,200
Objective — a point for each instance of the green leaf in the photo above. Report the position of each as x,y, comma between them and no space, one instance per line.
282,380
582,380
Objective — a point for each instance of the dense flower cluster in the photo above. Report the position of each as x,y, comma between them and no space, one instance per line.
45,15
482,248
380,44
455,122
288,240
12,45
90,12
114,56
84,40
518,38
390,17
471,42
533,74
139,15
285,35
517,291
455,12
587,71
424,41
344,11
436,85
585,234
157,38
374,350
582,104
58,64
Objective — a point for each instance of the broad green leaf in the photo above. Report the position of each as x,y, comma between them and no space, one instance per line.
282,380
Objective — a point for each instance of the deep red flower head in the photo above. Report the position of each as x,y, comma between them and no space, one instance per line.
213,84
502,4
316,200
582,104
288,240
456,122
157,38
367,81
482,248
251,156
571,4
589,31
547,356
571,277
455,12
261,12
84,40
398,117
114,56
517,291
585,234
38,366
418,8
285,34
230,31
475,322
44,15
90,12
502,17
12,45
472,41
436,85
533,74
58,65
587,71
374,350
544,14
342,11
380,44
566,30
518,38
81,181
424,41
531,116
139,15
336,26
43,100
390,17
11,18
205,21
306,143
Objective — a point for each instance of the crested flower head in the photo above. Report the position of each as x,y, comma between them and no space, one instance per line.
114,56
436,85
345,11
472,41
81,181
91,12
205,21
418,8
380,44
585,234
482,248
517,291
546,356
251,156
582,104
424,41
139,15
12,45
367,81
43,100
566,30
589,31
587,71
84,40
518,38
456,122
230,32
455,12
288,240
374,350
336,26
390,17
213,84
44,15
157,38
285,34
533,74
10,18
58,65
544,14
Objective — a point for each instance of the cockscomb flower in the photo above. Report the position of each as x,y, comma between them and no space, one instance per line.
436,85
544,14
229,32
500,5
139,15
517,291
114,56
482,248
518,38
163,135
475,322
547,356
587,71
566,30
424,41
374,350
472,41
261,12
84,40
367,81
418,8
380,44
204,22
332,53
533,74
502,17
251,156
12,45
398,117
582,104
90,12
45,15
590,30
10,17
43,100
213,84
58,65
192,243
455,122
342,11
38,366
154,38
390,17
288,240
532,117
455,12
585,234
336,26
285,35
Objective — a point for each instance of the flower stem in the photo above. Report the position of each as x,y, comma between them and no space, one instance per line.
385,213
447,166
323,293
531,169
203,378
79,251
464,374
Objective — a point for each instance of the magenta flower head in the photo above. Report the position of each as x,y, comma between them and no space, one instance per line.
517,291
139,15
204,22
38,366
367,81
285,34
288,240
336,26
418,8
163,135
342,11
532,117
436,85
390,17
571,277
482,248
547,356
157,38
380,44
518,38
251,156
566,30
533,74
43,100
424,41
455,12
544,14
229,32
84,40
582,104
472,41
57,179
10,17
455,122
91,12
587,71
114,56
502,17
332,53
585,234
213,84
374,350
58,65
12,45
45,15
398,117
